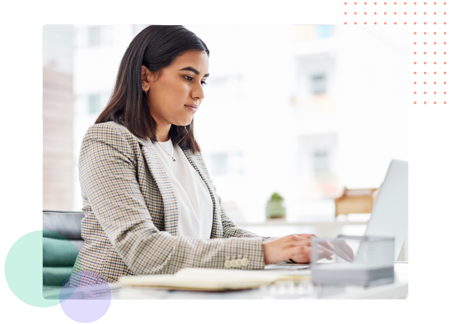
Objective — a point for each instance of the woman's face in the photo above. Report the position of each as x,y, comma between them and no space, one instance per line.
176,92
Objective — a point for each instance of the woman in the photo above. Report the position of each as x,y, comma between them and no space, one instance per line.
150,205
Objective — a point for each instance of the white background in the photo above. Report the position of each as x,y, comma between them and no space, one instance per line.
21,165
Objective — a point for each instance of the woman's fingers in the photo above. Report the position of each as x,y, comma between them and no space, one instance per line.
323,253
348,250
343,250
285,248
326,246
298,248
323,244
302,254
325,250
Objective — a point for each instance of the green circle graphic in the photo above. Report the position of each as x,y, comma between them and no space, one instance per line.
24,270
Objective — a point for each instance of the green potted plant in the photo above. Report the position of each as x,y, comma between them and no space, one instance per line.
275,207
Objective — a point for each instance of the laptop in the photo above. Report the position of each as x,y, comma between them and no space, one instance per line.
390,211
389,216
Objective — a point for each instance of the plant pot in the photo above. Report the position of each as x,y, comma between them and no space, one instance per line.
275,209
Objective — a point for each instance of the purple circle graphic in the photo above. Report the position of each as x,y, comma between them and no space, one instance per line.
85,311
87,297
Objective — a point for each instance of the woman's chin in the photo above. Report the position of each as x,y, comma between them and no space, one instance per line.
183,123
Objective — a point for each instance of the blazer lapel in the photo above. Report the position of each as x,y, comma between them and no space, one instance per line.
217,230
164,185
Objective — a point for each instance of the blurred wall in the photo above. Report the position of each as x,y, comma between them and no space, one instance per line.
303,110
57,115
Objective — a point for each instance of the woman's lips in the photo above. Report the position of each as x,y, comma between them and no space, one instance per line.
193,108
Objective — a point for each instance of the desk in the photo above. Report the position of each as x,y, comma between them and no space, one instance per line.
305,290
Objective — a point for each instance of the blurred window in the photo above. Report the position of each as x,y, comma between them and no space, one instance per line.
94,36
225,84
219,163
318,83
324,31
309,32
235,163
320,161
94,103
224,163
99,36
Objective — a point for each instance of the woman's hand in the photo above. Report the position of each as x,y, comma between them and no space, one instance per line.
296,247
343,250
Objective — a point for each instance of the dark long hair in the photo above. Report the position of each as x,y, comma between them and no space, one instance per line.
155,47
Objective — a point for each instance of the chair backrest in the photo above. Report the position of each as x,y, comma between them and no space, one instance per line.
61,243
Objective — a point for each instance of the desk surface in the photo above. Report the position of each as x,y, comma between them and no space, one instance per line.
282,290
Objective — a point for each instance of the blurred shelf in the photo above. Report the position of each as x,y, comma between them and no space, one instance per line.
321,229
315,224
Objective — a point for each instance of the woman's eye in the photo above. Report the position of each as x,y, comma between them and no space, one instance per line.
189,78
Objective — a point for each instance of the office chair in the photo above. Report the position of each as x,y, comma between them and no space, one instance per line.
61,243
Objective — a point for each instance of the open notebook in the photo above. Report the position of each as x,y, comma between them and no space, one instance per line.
208,279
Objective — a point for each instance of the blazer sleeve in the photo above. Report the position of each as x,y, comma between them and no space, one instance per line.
108,178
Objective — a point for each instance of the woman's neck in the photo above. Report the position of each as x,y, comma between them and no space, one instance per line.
162,133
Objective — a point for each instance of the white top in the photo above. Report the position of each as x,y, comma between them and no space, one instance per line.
195,208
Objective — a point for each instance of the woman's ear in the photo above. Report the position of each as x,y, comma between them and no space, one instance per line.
145,78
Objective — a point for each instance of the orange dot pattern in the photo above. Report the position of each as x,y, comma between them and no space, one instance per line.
429,37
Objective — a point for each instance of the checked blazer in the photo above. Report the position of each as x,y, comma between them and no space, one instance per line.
131,212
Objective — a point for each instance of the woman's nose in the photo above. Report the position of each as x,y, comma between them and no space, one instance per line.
198,92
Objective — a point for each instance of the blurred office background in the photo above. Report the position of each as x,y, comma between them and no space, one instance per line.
302,110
